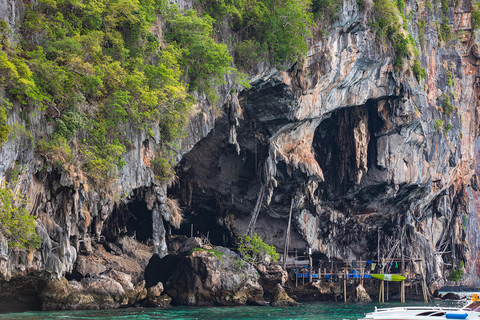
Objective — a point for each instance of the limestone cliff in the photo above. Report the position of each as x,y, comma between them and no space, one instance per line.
365,149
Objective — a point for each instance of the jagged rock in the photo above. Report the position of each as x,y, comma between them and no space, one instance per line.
360,295
280,298
90,293
310,292
141,291
189,245
155,297
215,277
366,147
272,273
155,291
174,242
86,265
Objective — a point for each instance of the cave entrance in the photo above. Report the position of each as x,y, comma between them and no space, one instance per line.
140,222
345,147
133,219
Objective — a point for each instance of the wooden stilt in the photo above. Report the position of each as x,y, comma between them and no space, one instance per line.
310,266
362,274
287,238
345,285
256,211
388,289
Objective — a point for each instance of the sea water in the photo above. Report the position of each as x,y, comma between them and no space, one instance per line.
317,310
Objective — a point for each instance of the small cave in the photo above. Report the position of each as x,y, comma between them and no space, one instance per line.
133,219
203,219
140,222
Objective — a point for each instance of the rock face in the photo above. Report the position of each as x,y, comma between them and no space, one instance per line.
366,149
281,299
363,147
217,276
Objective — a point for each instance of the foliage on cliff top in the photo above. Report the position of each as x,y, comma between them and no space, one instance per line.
275,28
253,250
16,224
389,22
95,68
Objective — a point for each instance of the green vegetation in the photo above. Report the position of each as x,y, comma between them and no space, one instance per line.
457,273
475,15
252,249
438,124
326,11
419,72
5,129
213,252
428,5
390,22
95,68
450,80
448,127
204,61
15,222
446,104
421,33
445,33
277,29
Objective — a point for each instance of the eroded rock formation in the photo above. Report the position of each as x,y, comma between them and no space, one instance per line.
366,151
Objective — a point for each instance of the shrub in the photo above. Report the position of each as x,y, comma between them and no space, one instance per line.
419,72
249,53
438,124
16,224
252,249
457,274
446,104
206,63
475,17
5,129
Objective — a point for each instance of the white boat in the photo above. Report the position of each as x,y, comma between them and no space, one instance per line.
469,312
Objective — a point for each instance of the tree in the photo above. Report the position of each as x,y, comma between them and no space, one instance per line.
253,250
16,224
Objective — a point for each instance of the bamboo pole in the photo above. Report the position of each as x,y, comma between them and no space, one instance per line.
345,285
287,238
255,213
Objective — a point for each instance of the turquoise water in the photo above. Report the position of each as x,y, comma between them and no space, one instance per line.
327,310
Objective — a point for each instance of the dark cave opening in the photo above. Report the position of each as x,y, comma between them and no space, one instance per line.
140,222
204,219
133,219
345,146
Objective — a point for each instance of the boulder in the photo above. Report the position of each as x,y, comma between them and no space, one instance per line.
272,274
280,298
189,245
217,276
451,296
360,295
141,291
155,298
90,293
